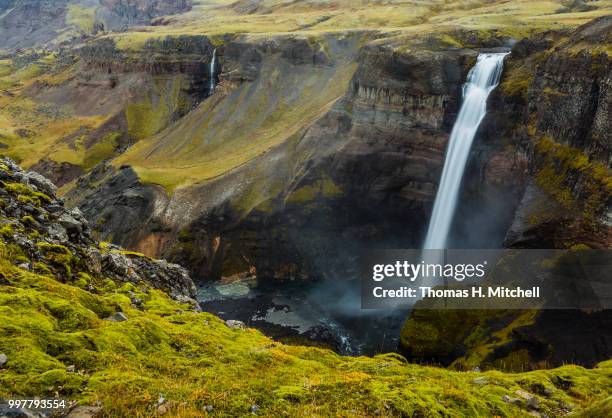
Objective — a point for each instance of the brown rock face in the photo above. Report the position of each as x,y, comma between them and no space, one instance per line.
58,173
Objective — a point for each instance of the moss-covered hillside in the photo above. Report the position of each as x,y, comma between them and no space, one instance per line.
107,337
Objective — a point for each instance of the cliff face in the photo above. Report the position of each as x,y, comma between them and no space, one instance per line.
115,97
551,116
567,119
25,23
364,170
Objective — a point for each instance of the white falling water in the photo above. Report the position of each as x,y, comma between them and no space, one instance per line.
482,80
213,64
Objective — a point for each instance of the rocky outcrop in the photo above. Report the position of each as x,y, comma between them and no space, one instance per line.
182,54
54,240
567,123
59,173
26,23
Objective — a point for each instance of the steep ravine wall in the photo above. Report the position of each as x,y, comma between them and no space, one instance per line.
363,174
128,95
551,116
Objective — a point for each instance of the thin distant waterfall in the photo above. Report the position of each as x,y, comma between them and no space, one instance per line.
213,65
482,80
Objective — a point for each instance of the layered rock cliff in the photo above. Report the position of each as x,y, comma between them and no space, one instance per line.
49,239
364,170
551,113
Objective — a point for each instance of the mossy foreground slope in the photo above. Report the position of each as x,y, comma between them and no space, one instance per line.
63,336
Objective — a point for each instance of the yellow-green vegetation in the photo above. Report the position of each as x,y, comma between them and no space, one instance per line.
516,18
6,67
465,336
228,131
516,81
25,194
81,17
307,193
558,163
155,110
195,360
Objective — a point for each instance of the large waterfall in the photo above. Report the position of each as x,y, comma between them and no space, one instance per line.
213,64
482,80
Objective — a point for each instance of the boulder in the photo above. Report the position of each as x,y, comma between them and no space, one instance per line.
41,183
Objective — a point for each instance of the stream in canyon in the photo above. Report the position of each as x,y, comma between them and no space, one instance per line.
323,312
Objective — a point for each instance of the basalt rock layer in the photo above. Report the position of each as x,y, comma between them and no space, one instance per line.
551,113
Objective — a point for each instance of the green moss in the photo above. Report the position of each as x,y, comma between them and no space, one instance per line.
559,163
194,358
28,220
57,255
7,230
517,80
25,194
81,17
101,150
152,112
42,269
320,189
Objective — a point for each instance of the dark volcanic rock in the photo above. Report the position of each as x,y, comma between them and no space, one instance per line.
58,173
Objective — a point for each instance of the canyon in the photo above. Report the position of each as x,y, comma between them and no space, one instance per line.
318,145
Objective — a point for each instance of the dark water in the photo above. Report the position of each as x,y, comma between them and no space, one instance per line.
324,312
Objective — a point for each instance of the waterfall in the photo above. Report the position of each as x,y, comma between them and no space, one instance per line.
213,64
482,80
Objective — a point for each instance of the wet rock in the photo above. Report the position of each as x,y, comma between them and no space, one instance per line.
117,317
235,324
